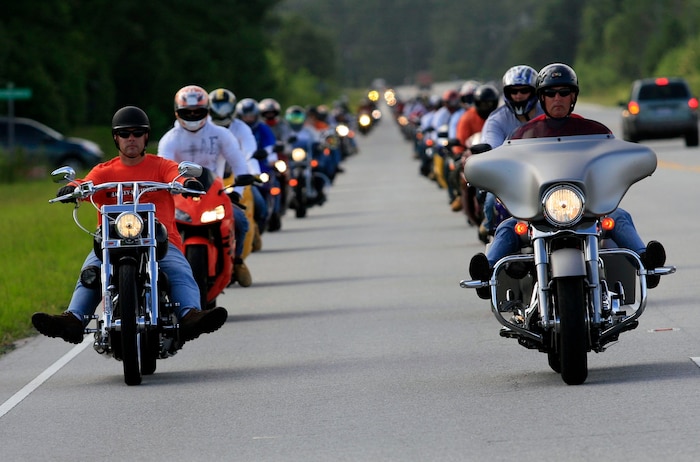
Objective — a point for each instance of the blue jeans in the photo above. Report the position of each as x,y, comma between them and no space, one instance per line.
507,242
241,228
183,287
489,204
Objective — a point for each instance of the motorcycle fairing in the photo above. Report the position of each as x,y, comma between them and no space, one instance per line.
602,166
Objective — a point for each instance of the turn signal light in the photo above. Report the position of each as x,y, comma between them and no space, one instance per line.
633,107
314,163
293,182
521,228
275,191
607,224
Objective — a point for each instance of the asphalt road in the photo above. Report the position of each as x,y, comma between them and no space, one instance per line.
355,343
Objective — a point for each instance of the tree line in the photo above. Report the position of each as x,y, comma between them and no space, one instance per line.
84,59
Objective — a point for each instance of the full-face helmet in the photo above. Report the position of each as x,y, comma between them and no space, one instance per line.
269,108
557,75
247,110
520,76
485,100
191,107
295,117
222,106
451,99
466,91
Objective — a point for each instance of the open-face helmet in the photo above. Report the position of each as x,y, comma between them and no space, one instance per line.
130,117
557,75
191,107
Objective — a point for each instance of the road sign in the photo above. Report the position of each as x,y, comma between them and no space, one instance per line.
15,93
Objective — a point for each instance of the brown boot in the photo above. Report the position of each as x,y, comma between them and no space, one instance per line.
65,326
240,273
456,204
257,240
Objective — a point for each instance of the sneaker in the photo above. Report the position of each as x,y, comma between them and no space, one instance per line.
65,326
456,204
197,322
653,257
241,275
479,269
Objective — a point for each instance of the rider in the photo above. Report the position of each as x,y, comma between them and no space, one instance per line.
130,131
270,111
485,101
557,92
196,138
521,105
264,157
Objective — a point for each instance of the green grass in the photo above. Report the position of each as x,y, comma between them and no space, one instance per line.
41,252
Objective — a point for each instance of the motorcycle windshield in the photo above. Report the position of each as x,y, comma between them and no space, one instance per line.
520,171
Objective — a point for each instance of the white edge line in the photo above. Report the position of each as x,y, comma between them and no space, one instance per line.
8,405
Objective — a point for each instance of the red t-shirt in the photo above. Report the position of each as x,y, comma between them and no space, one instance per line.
543,127
152,168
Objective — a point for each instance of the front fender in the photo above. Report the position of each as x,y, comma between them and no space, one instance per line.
567,263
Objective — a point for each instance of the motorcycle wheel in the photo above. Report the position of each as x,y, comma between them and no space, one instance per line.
275,222
128,301
197,256
573,333
149,348
300,210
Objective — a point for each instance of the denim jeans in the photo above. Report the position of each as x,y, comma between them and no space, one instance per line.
183,287
507,242
241,226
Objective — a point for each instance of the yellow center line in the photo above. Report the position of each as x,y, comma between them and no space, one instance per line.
677,166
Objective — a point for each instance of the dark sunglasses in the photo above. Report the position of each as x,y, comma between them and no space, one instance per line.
551,92
138,133
522,91
192,115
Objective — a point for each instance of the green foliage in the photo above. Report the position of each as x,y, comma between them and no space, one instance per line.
42,253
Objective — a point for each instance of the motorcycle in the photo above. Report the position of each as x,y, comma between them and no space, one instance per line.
578,294
138,324
306,181
206,224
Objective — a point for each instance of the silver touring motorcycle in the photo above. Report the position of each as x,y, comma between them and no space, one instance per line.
577,295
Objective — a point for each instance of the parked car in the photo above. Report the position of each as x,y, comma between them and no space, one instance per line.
40,144
661,108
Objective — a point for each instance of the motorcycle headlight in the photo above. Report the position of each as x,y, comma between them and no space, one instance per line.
281,166
213,215
365,120
342,130
563,205
298,154
128,225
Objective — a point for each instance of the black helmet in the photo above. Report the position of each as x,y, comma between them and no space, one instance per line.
130,117
557,75
485,100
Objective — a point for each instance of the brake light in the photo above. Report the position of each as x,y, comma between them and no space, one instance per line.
693,103
633,107
661,81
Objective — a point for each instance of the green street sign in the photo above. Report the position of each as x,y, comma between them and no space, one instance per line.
15,93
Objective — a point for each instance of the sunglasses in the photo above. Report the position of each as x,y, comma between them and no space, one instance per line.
522,91
551,92
138,133
192,115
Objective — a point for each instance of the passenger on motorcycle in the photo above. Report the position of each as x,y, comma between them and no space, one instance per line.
130,130
557,91
520,106
194,137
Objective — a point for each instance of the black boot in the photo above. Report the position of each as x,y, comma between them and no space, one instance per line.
479,269
653,257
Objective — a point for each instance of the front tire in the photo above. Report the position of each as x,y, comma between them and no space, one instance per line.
572,338
128,303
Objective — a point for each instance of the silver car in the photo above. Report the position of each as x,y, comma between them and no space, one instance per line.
661,108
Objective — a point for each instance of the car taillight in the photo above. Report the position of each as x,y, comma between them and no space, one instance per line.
661,81
633,107
693,103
